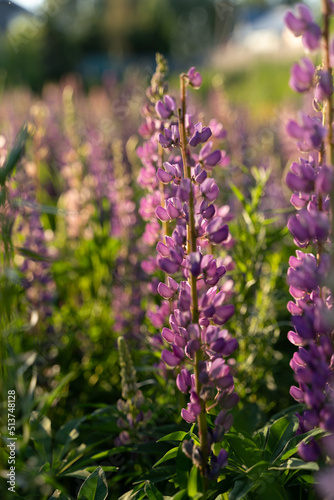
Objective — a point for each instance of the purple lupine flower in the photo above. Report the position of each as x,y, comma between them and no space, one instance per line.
188,207
302,74
303,25
201,134
324,88
301,177
311,310
209,158
217,231
217,129
165,108
195,78
310,134
209,189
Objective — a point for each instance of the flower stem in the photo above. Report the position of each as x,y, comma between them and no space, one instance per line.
164,229
326,13
192,247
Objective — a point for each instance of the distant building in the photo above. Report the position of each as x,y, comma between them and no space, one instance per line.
8,11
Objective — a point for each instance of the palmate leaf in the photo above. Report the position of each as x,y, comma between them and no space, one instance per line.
245,449
240,489
152,492
95,486
280,434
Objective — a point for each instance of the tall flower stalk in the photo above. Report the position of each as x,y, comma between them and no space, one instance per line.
310,274
198,307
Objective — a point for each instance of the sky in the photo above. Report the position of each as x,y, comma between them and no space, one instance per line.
29,4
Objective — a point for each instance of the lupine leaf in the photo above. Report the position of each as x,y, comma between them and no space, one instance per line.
158,474
240,489
183,466
58,495
174,436
296,463
41,434
245,448
64,436
95,486
152,492
280,434
237,193
292,446
180,495
192,483
167,456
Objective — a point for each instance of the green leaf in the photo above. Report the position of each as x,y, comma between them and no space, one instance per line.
258,469
64,437
174,436
59,496
180,495
248,418
50,397
245,449
280,434
238,193
30,254
167,456
84,473
41,435
183,466
80,474
296,463
304,479
133,495
158,474
152,492
240,489
192,483
95,486
15,154
292,445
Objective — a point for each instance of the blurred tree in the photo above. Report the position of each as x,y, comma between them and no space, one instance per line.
68,35
132,26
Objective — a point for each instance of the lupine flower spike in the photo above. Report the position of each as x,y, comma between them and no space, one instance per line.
199,343
310,275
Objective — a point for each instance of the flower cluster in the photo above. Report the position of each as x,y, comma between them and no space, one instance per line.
198,305
132,418
309,275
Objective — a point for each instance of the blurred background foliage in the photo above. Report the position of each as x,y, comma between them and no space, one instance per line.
85,129
96,37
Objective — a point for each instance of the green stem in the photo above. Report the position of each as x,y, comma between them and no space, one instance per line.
164,229
192,247
329,105
326,13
